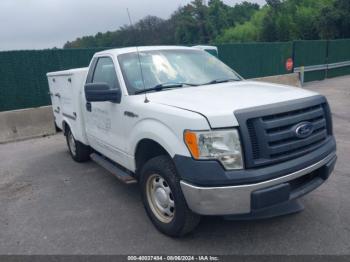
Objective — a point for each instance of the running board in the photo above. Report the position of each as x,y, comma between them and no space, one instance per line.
113,168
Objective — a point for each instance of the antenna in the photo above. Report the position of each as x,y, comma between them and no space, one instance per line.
127,10
139,58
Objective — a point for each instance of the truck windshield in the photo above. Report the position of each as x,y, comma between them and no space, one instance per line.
177,67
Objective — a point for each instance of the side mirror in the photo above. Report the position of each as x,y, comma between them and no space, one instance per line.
101,92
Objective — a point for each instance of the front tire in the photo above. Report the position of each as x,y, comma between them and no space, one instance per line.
163,199
78,151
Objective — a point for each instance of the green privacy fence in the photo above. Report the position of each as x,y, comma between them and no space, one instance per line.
338,51
256,59
323,53
311,53
23,81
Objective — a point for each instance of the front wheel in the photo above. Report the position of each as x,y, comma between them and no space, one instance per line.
163,198
78,151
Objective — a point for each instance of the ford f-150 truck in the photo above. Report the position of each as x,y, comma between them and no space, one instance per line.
198,138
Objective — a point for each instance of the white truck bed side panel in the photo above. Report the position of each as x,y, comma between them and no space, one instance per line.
66,89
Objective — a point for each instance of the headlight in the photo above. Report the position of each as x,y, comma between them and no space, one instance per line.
223,145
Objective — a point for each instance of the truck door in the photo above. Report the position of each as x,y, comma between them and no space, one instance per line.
103,119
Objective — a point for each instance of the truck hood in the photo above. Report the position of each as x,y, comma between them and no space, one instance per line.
219,102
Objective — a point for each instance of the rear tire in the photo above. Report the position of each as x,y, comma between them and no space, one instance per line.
163,199
78,151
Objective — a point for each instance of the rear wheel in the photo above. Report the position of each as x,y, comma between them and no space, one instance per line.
78,151
163,198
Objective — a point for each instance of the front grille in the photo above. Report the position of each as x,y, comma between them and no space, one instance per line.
271,134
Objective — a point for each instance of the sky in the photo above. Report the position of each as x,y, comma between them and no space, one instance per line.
39,24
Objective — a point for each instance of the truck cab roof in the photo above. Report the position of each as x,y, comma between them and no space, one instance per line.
124,50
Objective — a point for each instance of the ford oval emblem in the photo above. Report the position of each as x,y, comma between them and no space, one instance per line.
304,129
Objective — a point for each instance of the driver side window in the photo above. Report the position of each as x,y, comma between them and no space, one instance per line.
105,73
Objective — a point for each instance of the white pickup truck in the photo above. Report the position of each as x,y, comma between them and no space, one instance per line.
197,138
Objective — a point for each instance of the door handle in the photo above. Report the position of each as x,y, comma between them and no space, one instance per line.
58,95
88,106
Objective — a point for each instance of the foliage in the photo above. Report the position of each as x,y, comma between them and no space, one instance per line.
216,22
334,20
146,30
193,23
248,31
292,19
286,20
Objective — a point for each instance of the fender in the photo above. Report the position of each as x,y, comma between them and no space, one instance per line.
153,129
66,122
78,134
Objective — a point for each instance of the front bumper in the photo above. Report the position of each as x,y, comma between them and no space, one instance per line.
243,199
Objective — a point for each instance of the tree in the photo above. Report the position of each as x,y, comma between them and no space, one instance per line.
217,22
219,17
243,12
292,19
248,31
193,23
334,21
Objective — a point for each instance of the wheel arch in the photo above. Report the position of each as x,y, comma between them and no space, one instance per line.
147,149
66,125
161,135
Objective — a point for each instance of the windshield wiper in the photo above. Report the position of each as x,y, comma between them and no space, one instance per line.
218,81
163,86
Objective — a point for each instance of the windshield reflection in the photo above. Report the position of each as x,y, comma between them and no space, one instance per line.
194,67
